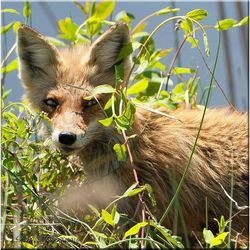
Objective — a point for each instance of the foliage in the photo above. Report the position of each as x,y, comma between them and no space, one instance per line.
34,174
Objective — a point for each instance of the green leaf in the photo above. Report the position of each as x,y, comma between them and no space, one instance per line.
218,240
194,42
244,21
126,119
81,7
119,74
165,52
5,94
26,10
102,89
125,17
135,229
125,52
107,121
135,191
100,235
16,26
197,14
13,65
138,87
149,47
180,70
142,67
27,245
129,189
151,194
93,25
104,8
107,217
208,235
178,93
13,11
115,215
187,26
167,234
121,151
108,104
67,29
6,28
194,87
122,122
179,89
225,24
166,10
140,28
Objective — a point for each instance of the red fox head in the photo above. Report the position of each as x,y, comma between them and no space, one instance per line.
48,72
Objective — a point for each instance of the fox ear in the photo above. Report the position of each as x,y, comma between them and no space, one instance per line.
37,57
105,50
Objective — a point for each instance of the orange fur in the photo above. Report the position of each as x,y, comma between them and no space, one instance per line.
162,146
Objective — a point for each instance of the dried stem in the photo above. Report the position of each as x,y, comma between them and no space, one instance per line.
137,181
174,60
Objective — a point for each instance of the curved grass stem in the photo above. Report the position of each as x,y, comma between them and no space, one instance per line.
180,185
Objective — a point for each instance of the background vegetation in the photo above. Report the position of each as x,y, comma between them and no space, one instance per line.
34,175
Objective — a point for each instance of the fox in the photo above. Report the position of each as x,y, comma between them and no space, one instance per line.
161,147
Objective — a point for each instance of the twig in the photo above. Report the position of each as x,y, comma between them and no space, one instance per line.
217,83
231,199
174,59
197,239
156,111
8,55
137,181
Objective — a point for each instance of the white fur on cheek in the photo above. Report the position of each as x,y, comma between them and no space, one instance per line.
55,136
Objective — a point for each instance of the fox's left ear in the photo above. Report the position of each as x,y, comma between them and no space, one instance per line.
105,50
37,58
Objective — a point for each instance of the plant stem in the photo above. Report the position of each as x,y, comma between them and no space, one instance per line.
174,59
196,140
137,181
231,205
8,55
206,217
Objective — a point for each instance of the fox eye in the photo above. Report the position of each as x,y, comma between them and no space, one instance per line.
51,102
90,103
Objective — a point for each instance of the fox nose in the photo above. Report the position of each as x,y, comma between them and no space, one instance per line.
67,138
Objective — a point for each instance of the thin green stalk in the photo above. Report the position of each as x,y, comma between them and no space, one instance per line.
178,212
5,203
12,49
143,21
217,83
206,217
230,209
196,140
173,61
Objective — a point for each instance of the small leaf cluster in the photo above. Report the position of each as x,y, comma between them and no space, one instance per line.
218,241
